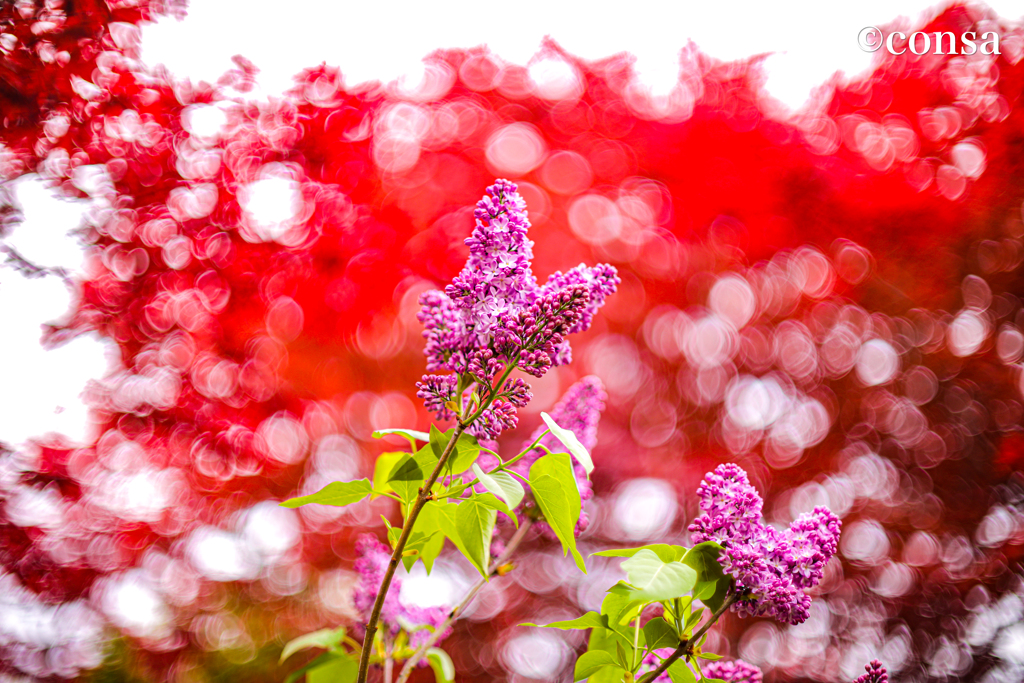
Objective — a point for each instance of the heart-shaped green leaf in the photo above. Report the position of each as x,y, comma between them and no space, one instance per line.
656,580
501,484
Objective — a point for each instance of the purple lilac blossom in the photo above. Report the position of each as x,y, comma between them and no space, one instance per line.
770,567
735,671
495,313
497,279
371,565
876,673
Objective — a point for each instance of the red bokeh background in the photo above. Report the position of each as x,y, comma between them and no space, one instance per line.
258,355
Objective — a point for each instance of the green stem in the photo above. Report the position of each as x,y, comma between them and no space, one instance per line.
636,636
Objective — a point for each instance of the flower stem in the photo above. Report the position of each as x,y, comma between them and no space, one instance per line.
686,647
513,544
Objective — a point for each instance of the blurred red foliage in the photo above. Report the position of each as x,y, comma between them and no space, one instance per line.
263,339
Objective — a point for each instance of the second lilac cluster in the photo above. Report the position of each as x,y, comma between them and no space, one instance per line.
494,314
771,568
371,565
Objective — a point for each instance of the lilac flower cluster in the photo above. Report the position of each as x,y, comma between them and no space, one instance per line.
579,411
771,568
735,671
394,616
876,673
497,279
495,315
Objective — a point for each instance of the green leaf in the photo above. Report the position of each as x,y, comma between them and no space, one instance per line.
501,484
554,487
414,547
555,503
315,662
659,633
591,662
414,467
429,522
615,607
692,620
446,518
338,493
678,672
340,670
495,503
713,584
620,653
467,449
570,441
710,656
668,553
703,557
559,466
327,638
410,472
410,434
474,523
439,440
382,470
656,580
441,663
588,620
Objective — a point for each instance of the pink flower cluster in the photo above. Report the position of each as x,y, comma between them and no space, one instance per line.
394,616
771,568
494,314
